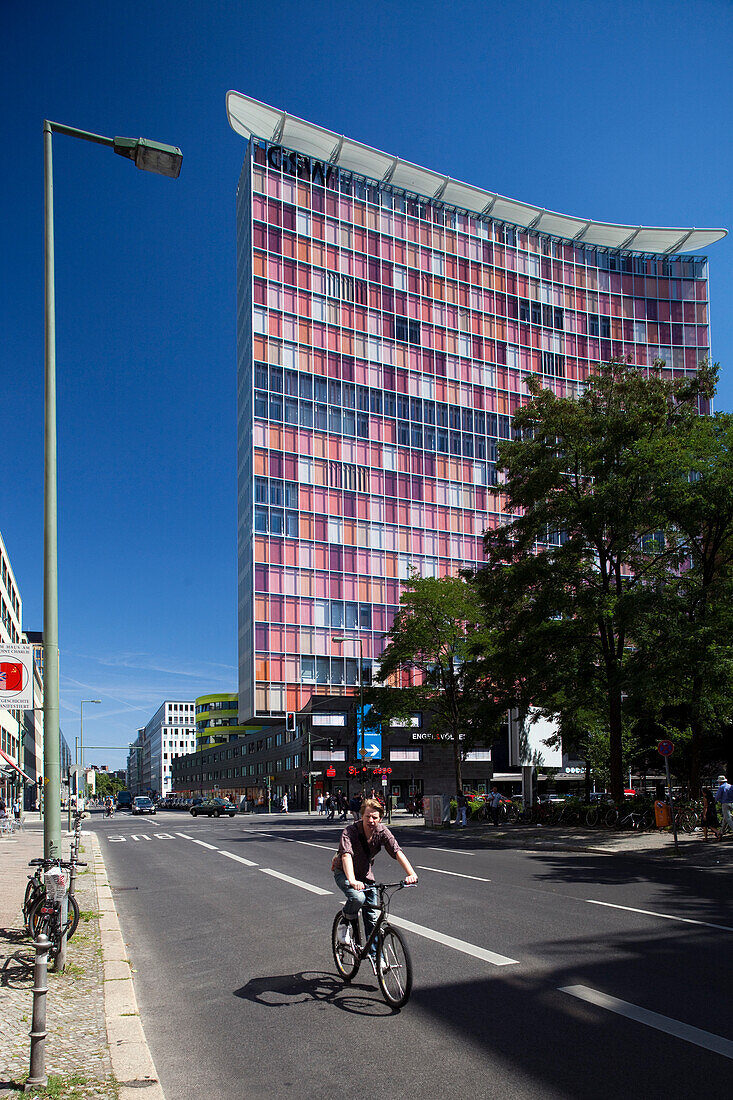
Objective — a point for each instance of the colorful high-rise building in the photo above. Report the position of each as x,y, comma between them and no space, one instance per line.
388,318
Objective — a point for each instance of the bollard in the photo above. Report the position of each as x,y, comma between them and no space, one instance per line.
37,1075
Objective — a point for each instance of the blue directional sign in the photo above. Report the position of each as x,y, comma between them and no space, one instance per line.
373,745
372,740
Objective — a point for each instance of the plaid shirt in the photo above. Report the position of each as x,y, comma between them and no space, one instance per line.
353,841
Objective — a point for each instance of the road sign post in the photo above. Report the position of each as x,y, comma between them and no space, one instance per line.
665,749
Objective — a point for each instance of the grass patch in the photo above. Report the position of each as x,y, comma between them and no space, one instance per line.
73,970
59,1087
89,914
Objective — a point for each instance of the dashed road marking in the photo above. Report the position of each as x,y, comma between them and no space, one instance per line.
239,859
295,882
203,843
455,874
452,851
695,1035
661,916
450,941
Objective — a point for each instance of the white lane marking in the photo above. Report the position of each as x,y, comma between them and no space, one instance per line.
117,839
452,851
203,843
164,836
690,1034
451,941
308,843
662,916
239,859
455,874
141,836
295,881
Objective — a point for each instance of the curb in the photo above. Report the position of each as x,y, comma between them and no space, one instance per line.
132,1063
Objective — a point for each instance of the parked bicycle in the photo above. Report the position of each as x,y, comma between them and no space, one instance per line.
46,915
393,963
624,817
35,896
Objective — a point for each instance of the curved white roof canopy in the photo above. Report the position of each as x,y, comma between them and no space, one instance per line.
250,118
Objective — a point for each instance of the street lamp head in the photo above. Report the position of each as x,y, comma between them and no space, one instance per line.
338,639
151,156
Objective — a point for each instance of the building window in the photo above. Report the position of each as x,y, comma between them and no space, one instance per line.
405,754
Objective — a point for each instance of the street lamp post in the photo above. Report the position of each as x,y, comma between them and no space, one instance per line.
151,157
338,641
81,745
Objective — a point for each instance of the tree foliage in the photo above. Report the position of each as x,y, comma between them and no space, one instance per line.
573,577
426,665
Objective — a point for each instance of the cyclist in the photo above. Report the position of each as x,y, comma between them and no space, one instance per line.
352,867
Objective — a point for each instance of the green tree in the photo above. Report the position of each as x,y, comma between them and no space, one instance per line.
575,573
426,666
107,785
687,645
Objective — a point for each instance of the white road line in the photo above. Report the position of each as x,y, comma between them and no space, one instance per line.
662,916
690,1034
239,859
452,851
455,874
451,941
203,843
295,882
289,840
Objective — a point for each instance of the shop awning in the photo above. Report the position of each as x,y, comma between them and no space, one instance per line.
9,760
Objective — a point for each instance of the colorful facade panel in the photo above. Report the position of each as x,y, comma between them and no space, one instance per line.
384,344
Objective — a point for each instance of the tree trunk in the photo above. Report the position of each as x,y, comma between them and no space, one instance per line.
587,781
695,742
615,745
457,761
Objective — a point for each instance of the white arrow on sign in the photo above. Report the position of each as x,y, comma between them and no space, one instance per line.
372,750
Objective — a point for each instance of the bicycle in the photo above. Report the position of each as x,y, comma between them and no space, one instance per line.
35,896
46,916
637,819
393,962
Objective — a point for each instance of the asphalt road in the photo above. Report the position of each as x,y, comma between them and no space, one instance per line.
537,974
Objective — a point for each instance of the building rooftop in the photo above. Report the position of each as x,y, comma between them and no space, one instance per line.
252,119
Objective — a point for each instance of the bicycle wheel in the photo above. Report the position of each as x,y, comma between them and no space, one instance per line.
591,818
611,817
647,820
36,918
32,893
347,962
73,917
688,821
394,968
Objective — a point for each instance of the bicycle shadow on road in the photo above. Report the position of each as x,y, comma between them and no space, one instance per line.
288,990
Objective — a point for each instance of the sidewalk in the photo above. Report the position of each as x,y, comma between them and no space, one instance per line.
95,1046
653,844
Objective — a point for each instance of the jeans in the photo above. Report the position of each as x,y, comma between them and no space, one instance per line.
366,899
461,815
727,808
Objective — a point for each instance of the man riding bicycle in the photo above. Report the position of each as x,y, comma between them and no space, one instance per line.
352,867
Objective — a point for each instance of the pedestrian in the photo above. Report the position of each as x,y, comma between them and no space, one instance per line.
16,809
330,807
3,807
284,803
355,805
461,804
709,813
319,803
343,803
495,801
724,795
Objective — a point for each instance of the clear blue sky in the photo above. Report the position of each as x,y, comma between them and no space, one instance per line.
618,111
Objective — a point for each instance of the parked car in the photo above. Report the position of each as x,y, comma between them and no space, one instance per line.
214,807
143,805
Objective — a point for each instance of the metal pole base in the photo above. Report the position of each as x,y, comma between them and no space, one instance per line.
37,1075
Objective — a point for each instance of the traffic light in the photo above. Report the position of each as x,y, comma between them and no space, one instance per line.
290,724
